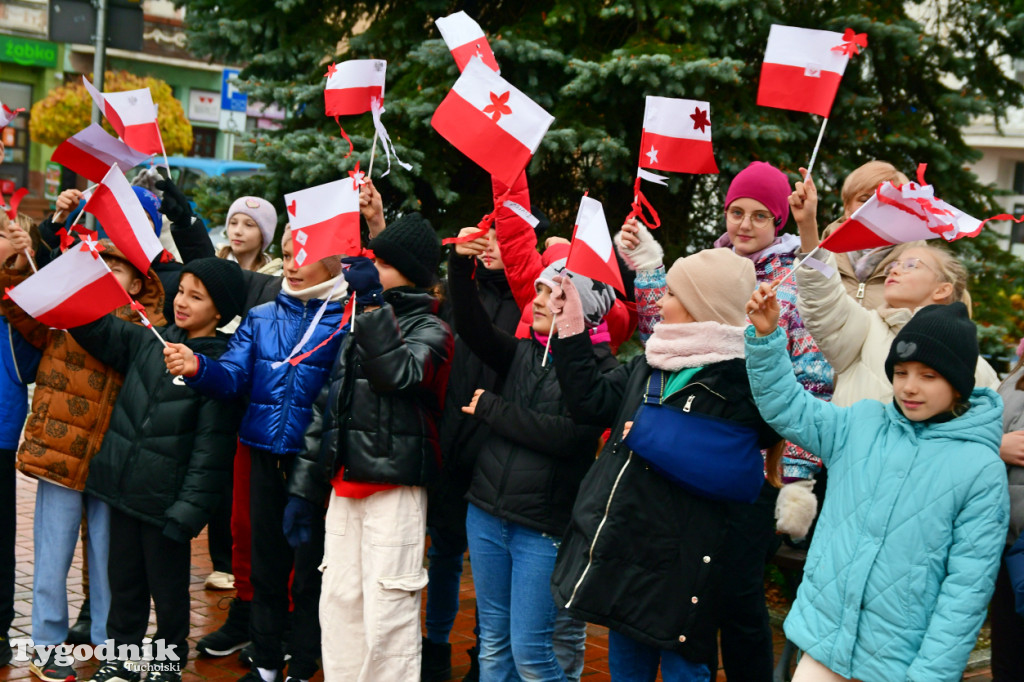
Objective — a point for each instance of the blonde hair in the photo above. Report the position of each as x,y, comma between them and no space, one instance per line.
261,260
868,177
26,223
950,270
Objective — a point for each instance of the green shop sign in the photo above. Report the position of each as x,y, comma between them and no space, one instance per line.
28,52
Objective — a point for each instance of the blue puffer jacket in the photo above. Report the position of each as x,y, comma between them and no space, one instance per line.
19,360
280,400
904,558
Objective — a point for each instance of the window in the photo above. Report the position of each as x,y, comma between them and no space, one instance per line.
204,142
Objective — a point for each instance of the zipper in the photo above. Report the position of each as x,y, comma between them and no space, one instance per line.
689,401
600,526
285,404
705,387
860,292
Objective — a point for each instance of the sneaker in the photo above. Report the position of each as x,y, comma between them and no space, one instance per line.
219,580
163,676
247,651
436,661
50,671
231,636
116,671
81,631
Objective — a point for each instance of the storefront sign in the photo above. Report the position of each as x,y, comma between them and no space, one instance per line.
204,105
28,52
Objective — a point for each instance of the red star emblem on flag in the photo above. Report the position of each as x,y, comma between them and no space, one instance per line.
331,70
498,106
700,119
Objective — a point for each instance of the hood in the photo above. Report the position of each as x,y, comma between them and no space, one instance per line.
152,293
982,423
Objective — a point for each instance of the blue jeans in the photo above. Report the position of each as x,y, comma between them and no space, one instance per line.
58,518
445,571
512,568
631,661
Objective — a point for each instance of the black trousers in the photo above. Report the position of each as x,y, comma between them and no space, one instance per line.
272,562
218,532
8,533
1007,631
145,563
745,632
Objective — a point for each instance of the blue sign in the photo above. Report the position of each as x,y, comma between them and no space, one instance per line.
230,98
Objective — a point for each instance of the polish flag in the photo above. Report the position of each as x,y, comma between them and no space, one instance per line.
325,220
73,289
802,69
677,136
896,215
591,253
91,153
466,40
353,85
124,219
7,115
132,115
494,124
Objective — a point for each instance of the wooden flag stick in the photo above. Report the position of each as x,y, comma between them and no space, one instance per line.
780,282
547,347
373,153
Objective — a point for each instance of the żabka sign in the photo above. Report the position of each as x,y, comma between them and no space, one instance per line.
28,52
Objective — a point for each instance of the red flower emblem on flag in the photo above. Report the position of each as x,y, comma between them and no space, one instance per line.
66,240
357,177
852,43
700,119
498,106
331,70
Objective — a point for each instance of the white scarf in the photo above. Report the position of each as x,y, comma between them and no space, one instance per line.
673,347
320,291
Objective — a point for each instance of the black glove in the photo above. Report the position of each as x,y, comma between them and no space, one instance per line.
177,532
363,278
174,204
298,521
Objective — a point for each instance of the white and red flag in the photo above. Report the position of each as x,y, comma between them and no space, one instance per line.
899,214
591,253
73,289
465,39
125,220
132,115
353,85
92,151
803,67
325,220
490,121
7,115
677,136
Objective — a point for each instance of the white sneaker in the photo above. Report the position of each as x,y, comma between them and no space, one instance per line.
219,580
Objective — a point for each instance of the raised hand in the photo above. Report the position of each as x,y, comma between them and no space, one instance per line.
180,360
472,248
763,309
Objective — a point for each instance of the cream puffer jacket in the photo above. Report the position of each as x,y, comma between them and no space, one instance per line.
855,340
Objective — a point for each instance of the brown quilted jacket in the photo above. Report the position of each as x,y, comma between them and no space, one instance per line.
75,392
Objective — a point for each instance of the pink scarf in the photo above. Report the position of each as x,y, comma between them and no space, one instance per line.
673,347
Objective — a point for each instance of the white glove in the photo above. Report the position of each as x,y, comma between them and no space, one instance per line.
796,508
647,255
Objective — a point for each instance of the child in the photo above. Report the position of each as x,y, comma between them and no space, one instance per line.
164,462
373,440
644,555
902,566
527,471
71,409
280,408
251,224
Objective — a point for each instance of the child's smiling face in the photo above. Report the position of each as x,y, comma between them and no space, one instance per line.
920,391
194,310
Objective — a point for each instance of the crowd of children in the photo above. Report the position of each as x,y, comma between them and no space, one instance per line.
324,419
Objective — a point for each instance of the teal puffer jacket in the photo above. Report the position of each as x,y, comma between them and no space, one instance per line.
905,554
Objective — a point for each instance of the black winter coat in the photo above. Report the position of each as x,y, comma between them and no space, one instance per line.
377,415
530,465
168,452
461,434
642,554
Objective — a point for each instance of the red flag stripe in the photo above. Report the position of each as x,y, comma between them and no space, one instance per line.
788,87
92,165
84,305
143,137
108,211
463,53
335,236
350,101
583,260
678,155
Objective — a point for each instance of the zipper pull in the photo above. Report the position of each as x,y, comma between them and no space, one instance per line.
860,292
689,401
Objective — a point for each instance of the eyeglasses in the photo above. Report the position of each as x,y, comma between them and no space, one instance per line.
759,219
907,264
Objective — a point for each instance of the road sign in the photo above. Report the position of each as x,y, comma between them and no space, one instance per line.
230,97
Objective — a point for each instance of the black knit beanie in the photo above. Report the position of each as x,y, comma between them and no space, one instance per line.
223,280
411,246
942,337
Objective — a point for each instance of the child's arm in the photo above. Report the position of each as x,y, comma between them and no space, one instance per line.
793,412
518,243
225,378
209,468
838,323
392,361
187,229
979,536
643,255
472,323
111,340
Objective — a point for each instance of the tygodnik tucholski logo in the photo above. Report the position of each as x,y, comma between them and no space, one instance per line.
150,656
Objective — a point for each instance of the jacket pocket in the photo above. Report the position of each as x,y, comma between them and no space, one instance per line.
398,610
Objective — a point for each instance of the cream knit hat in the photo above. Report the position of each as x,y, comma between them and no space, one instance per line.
713,285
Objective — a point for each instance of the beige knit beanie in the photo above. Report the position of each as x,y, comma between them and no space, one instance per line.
713,285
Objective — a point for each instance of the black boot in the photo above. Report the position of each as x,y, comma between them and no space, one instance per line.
231,636
474,665
436,662
81,631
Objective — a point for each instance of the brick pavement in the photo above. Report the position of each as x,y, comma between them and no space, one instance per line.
209,609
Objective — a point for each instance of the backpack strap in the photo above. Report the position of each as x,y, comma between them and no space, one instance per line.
655,387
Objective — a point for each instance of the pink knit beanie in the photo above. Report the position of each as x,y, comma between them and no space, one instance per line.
765,183
260,210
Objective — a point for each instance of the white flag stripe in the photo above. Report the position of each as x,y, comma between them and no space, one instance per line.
802,47
527,122
134,107
592,227
323,202
97,96
671,117
132,207
71,271
458,29
358,73
95,140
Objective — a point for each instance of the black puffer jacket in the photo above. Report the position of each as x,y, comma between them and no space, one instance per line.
461,434
377,415
531,463
167,454
642,554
